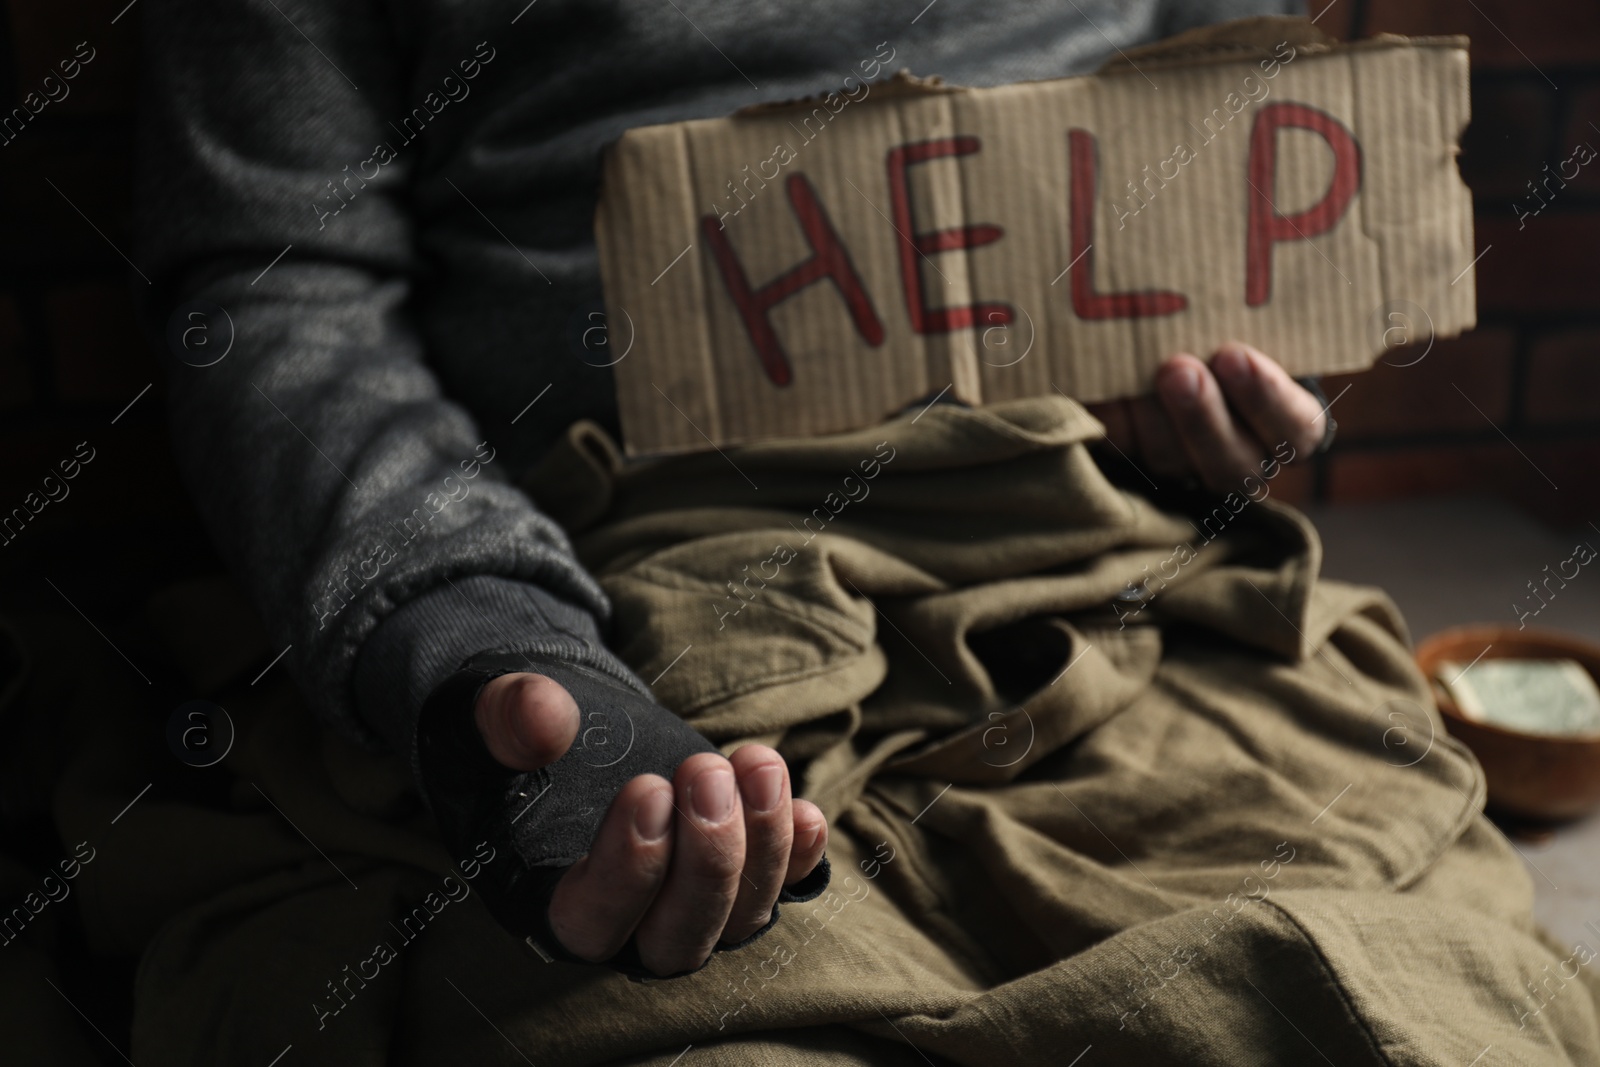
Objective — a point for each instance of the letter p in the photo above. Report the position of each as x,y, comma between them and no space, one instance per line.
1266,226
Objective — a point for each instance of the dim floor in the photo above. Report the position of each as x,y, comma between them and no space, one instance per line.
1455,561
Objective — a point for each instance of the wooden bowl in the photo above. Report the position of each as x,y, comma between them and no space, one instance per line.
1529,775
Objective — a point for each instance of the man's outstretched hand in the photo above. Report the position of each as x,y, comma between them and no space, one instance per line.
1216,422
682,864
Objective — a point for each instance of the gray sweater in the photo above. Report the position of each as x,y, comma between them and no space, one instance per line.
392,203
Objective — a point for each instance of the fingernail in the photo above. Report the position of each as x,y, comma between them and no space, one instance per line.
712,795
763,789
1185,383
652,816
1232,363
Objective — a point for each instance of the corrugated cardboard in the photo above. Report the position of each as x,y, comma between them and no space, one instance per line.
816,266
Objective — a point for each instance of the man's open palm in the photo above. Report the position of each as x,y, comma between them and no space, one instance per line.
684,863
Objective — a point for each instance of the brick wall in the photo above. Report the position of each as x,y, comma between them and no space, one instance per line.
71,357
1514,407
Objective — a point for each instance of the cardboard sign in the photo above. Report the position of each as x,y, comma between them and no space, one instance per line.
816,266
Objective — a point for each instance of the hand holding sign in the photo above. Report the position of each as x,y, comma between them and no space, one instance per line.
1217,422
926,218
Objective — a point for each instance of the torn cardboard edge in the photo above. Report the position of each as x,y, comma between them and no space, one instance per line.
813,266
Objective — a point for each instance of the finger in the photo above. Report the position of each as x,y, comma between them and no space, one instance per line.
692,906
1279,409
810,841
1222,452
768,834
1159,447
600,900
527,720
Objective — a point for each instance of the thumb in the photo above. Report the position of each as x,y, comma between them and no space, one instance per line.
526,720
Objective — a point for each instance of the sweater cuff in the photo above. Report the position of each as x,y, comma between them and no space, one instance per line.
430,638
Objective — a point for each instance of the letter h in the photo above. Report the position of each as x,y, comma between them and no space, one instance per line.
828,260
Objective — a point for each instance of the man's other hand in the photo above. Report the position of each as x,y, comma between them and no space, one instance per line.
1216,422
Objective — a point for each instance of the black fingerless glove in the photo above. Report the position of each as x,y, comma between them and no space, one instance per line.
542,822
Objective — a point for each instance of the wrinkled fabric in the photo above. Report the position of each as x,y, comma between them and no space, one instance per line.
1079,807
